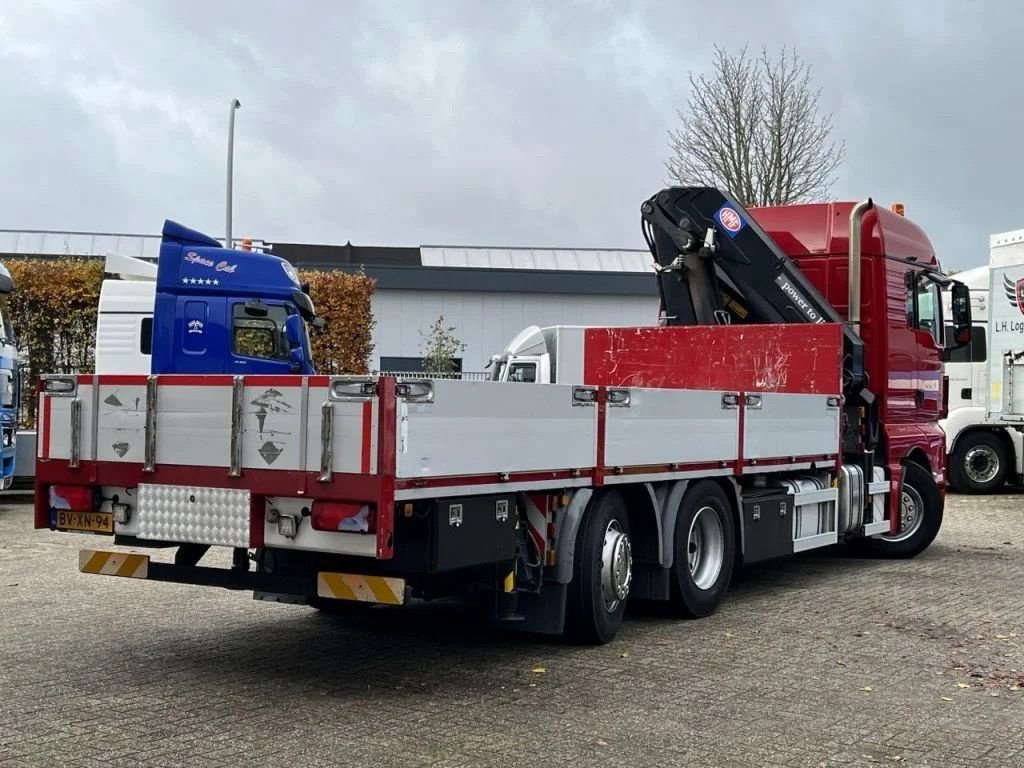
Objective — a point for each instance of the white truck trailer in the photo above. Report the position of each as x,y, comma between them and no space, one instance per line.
984,439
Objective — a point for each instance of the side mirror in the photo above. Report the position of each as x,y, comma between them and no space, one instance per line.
960,296
319,323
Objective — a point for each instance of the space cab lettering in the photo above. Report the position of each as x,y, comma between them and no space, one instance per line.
221,266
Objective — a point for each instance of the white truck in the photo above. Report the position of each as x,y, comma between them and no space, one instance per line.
124,331
549,355
1005,391
985,446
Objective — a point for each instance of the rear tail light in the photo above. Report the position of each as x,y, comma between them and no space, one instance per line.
342,516
79,498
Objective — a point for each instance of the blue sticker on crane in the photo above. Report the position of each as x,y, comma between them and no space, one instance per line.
730,220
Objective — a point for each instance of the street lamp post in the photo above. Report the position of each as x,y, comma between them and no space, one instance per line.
235,104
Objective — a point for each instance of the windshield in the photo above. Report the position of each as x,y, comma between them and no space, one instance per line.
524,372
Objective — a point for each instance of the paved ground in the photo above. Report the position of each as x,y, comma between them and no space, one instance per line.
816,661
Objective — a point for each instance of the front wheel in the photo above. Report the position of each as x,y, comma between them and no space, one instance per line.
602,571
920,510
979,463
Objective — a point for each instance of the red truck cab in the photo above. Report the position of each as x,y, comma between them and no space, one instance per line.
900,314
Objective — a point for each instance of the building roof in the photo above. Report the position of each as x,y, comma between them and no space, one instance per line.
476,269
37,242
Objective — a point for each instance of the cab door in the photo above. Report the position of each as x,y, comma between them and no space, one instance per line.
924,318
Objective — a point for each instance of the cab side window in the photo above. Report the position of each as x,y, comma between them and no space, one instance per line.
924,305
261,337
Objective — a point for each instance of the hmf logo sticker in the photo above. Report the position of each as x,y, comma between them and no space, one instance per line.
730,220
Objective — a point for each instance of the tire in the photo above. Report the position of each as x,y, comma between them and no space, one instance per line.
922,505
602,572
979,463
705,551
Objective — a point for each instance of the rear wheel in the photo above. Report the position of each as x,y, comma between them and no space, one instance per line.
920,511
979,463
705,550
602,572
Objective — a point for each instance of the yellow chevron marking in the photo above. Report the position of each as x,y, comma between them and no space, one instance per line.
367,589
113,564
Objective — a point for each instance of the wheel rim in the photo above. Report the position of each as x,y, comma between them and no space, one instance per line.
911,514
705,547
616,566
981,464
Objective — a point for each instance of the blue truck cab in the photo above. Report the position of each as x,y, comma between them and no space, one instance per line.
221,310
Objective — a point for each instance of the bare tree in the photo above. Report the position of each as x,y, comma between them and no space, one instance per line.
753,127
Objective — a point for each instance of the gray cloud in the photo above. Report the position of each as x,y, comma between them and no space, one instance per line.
530,123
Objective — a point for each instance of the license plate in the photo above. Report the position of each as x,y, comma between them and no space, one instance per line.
90,522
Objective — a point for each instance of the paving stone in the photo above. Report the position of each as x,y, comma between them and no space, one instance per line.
104,671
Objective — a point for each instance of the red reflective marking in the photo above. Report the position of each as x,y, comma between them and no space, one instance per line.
119,380
387,439
602,418
188,380
265,380
742,406
515,477
367,436
47,412
257,505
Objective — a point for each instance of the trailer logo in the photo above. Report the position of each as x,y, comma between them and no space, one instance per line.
195,326
730,220
1014,292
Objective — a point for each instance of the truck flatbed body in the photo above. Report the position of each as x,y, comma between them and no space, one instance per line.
210,455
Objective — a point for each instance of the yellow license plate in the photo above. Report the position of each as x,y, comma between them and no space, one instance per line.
90,522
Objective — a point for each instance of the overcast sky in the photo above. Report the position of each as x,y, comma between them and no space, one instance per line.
544,124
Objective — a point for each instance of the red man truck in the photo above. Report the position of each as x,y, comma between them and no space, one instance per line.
788,399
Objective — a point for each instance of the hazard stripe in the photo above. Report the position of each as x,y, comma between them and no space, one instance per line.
113,564
366,589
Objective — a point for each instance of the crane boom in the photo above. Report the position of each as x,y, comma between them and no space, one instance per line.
717,266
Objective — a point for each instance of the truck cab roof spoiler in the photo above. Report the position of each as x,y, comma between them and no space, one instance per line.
130,267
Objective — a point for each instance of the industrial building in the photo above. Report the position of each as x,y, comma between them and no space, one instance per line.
487,294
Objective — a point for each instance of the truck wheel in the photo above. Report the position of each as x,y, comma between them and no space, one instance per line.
921,508
602,572
705,550
979,463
